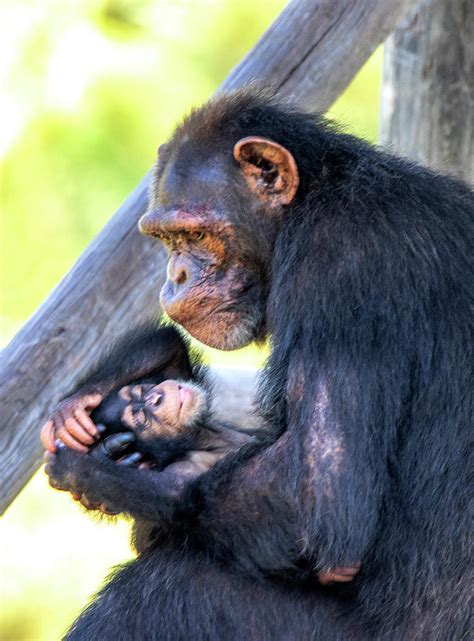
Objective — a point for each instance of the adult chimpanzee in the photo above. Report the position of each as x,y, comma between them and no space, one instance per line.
358,266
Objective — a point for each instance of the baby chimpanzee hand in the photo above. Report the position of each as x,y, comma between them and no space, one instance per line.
71,424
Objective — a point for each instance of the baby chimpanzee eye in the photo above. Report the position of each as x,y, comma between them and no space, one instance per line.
154,398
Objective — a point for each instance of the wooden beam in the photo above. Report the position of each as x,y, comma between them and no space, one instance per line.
311,51
428,87
315,48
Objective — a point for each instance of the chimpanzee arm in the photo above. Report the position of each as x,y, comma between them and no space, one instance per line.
147,351
312,498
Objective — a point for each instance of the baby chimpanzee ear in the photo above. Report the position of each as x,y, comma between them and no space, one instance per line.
269,169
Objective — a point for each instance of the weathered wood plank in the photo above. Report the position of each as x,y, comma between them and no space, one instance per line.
428,86
312,51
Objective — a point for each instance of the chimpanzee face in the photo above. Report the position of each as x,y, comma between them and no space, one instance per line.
202,208
167,410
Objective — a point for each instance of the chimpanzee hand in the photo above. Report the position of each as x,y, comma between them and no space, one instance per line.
63,466
124,485
71,424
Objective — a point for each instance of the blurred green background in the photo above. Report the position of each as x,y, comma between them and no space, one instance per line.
88,89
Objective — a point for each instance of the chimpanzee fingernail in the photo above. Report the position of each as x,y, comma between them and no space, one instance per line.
131,459
118,442
101,429
59,444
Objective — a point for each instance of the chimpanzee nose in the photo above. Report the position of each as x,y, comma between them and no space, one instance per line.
181,276
178,272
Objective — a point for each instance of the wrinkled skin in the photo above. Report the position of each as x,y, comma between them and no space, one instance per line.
216,283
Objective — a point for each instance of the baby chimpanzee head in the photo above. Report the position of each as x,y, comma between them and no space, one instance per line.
166,410
169,410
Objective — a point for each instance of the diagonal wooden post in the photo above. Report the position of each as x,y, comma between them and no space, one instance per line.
311,52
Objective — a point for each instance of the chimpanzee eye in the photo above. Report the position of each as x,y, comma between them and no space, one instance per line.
196,236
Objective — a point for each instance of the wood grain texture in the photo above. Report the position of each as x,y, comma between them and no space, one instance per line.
311,52
428,87
314,49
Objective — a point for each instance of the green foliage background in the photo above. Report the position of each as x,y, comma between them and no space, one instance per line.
88,89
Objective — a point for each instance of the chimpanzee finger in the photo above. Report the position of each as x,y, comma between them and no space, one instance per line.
339,575
101,428
83,418
49,457
68,440
130,459
86,503
48,437
116,444
91,401
106,510
76,430
347,570
55,485
332,577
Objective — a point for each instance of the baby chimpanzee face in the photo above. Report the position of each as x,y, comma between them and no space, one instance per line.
166,410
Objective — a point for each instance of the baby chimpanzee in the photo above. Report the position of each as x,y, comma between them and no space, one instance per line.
165,422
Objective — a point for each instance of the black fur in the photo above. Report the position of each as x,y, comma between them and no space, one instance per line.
151,352
368,392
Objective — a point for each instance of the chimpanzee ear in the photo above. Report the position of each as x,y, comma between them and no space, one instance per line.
269,169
